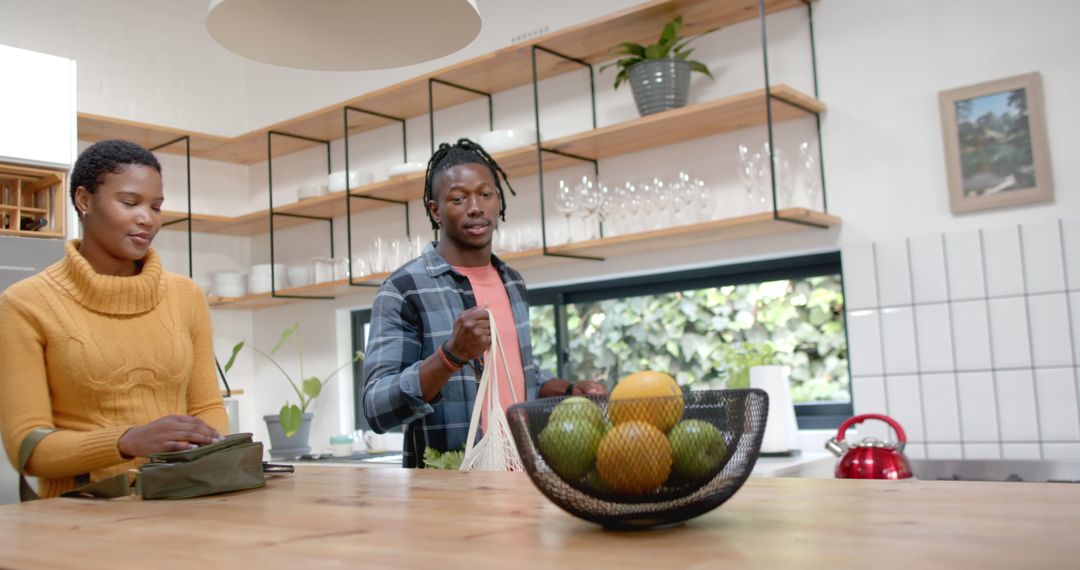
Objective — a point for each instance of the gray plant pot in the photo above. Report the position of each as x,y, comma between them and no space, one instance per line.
659,84
282,447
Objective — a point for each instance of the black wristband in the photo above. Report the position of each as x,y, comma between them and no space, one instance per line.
453,357
569,388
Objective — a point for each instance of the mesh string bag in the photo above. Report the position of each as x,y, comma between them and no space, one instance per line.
496,449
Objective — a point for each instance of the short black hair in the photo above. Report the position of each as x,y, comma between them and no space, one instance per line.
108,157
464,151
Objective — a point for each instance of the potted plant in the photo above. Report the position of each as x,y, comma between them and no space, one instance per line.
289,428
659,73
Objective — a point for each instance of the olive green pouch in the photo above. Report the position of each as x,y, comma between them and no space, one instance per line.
232,464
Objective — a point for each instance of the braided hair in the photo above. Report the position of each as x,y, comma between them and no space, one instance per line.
464,151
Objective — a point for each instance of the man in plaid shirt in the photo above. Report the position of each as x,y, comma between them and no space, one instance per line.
428,331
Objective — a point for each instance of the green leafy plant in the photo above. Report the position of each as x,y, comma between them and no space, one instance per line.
744,357
306,390
435,459
670,46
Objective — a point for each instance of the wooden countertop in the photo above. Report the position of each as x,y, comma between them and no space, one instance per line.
376,517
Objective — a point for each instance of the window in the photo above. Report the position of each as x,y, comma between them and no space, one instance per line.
705,327
702,326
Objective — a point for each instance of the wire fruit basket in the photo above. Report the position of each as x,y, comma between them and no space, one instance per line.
641,463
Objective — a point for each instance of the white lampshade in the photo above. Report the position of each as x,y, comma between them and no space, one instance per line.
343,35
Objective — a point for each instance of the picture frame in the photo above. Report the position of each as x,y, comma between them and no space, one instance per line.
996,150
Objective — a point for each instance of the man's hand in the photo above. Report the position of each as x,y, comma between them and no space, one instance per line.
471,335
170,433
589,388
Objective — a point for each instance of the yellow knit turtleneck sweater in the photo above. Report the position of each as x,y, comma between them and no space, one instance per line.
95,355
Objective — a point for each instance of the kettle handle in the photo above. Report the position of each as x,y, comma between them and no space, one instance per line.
900,435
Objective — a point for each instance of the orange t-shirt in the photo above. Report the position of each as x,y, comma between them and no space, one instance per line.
490,290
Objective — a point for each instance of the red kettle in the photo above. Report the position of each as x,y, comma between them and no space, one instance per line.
870,458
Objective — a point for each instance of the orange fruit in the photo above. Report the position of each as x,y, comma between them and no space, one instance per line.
634,458
630,400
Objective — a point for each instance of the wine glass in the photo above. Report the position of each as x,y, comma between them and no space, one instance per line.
588,203
809,166
566,204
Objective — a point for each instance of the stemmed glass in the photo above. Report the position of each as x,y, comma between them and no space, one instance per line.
588,203
749,171
566,204
605,202
809,166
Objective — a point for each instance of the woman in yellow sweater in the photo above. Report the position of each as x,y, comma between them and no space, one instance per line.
104,345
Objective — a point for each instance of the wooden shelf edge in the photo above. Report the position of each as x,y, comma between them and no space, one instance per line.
750,225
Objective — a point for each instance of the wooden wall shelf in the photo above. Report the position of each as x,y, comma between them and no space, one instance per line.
492,73
678,125
704,233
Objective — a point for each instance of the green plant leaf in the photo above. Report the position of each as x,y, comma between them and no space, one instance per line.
683,54
655,51
629,48
289,416
671,31
312,387
232,357
434,459
284,337
700,67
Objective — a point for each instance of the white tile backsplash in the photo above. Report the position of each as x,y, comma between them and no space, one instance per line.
860,284
944,451
928,279
1044,266
869,397
1059,408
898,335
1020,451
1017,411
970,339
1069,451
1070,239
978,406
893,275
1050,336
971,335
1074,330
982,451
1001,254
933,333
941,407
864,340
963,256
905,404
915,451
1009,333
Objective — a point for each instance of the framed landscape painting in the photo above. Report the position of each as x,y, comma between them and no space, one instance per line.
996,152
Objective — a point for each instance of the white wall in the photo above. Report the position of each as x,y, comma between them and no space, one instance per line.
881,65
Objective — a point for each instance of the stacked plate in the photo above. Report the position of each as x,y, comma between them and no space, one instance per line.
229,284
259,279
506,139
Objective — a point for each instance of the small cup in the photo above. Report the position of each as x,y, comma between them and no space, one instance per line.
341,445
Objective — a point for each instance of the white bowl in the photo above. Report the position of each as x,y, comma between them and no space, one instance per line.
506,139
356,179
406,168
311,191
260,283
299,275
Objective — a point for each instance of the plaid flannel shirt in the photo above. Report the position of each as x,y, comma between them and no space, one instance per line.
413,313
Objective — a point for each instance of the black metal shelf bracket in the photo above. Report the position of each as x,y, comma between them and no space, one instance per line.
431,105
540,150
270,194
769,97
349,196
187,157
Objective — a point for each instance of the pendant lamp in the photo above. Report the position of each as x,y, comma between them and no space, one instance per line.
343,35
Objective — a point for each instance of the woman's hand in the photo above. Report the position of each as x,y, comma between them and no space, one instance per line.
170,433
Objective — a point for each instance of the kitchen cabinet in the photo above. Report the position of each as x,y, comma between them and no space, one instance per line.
32,201
37,109
499,71
415,518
